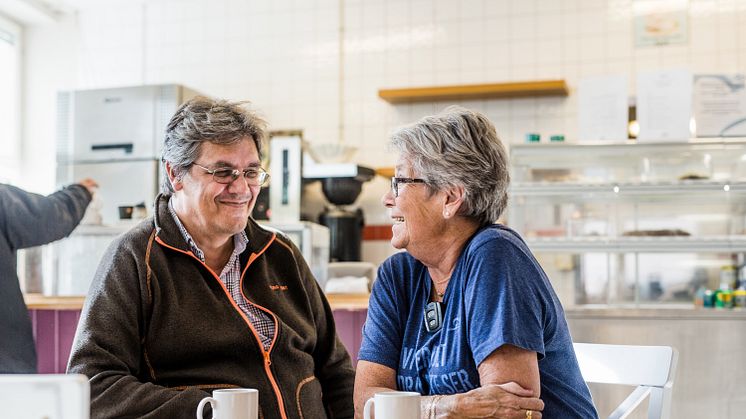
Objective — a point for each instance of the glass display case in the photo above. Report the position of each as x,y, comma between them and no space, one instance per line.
633,223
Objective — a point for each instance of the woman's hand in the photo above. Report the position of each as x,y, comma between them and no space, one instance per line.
491,401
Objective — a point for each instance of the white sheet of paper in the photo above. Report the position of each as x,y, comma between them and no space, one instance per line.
603,109
664,105
720,105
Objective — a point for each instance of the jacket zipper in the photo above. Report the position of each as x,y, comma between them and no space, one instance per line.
266,354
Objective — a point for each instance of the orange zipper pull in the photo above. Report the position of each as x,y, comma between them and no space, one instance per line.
266,358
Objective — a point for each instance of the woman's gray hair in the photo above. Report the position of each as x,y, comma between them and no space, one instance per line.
459,147
201,120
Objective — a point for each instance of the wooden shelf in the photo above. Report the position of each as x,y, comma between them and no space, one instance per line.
475,91
386,172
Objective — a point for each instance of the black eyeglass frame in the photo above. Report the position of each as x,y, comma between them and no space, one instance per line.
260,179
395,181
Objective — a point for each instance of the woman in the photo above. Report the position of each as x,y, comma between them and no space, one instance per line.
466,316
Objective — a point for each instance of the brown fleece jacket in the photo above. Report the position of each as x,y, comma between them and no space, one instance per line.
159,331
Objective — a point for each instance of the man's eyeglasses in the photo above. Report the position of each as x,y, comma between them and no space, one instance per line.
255,176
395,181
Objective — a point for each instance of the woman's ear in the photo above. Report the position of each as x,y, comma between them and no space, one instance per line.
173,177
454,198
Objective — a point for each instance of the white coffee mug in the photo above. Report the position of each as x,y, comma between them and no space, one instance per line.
232,403
394,405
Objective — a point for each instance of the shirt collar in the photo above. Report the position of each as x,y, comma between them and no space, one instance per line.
240,239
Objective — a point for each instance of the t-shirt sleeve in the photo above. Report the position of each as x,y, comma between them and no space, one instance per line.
502,300
382,332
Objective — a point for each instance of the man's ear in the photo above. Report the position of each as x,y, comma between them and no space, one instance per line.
173,177
454,198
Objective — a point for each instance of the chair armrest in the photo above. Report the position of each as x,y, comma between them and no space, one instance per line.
629,404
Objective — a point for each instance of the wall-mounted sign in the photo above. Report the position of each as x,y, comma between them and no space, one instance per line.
660,22
720,105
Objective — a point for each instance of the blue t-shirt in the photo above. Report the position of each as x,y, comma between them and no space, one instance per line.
498,294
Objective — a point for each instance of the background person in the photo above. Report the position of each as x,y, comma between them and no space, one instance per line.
200,297
28,220
500,320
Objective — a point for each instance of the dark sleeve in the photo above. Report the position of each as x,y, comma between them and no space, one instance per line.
333,366
501,300
32,220
108,348
382,333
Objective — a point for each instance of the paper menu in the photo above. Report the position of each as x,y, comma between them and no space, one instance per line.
664,104
603,109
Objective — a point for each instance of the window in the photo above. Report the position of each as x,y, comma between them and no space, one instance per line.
10,100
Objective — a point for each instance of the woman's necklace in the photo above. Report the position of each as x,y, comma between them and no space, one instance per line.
435,288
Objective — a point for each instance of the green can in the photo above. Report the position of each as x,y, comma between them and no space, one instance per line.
709,299
533,137
723,299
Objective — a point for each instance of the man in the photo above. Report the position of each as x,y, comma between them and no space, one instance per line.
28,220
200,297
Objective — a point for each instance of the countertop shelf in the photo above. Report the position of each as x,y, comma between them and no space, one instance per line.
631,147
475,91
659,244
631,188
360,302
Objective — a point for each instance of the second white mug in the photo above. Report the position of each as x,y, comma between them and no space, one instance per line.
393,405
232,403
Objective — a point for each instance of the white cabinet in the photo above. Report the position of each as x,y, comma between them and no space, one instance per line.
631,223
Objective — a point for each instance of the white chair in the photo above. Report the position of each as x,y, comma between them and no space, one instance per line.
48,396
650,368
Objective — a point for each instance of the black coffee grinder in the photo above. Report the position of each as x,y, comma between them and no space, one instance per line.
342,184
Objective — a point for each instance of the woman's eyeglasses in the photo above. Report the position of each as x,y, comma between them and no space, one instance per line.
395,181
255,176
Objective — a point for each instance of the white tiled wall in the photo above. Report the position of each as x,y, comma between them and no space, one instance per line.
284,56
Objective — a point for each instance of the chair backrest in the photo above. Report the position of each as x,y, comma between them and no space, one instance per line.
50,396
651,368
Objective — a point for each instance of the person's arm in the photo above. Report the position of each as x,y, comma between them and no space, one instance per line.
109,347
33,220
489,401
511,363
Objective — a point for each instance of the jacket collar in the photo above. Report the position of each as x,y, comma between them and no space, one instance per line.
167,230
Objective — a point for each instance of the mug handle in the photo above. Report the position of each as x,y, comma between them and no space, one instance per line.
202,404
366,409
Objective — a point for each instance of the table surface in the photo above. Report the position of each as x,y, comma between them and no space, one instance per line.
42,302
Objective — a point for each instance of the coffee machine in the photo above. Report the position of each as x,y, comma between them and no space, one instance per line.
341,184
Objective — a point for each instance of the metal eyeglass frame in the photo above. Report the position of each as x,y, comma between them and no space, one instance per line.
260,180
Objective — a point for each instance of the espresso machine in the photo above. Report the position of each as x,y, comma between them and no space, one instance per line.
341,184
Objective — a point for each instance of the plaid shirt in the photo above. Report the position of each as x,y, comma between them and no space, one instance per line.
231,277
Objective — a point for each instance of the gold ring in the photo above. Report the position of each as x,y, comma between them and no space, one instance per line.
529,414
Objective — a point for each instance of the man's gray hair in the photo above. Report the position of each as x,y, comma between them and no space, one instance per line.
459,147
201,120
